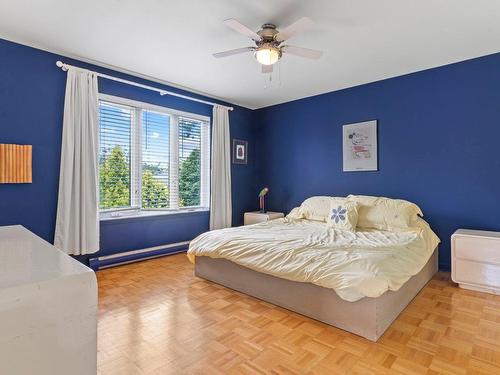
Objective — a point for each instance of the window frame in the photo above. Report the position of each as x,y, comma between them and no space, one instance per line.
136,160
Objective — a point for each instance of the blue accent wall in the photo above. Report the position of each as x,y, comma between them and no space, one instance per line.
438,139
31,111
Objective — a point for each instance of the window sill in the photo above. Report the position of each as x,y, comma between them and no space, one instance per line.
124,215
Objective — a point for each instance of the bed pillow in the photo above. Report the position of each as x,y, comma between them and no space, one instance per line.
343,214
385,213
295,214
316,208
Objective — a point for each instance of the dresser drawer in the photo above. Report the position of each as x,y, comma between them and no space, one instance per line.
476,248
471,272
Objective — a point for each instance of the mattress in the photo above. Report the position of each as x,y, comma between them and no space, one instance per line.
365,263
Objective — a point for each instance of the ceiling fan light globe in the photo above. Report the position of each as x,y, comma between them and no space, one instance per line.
267,55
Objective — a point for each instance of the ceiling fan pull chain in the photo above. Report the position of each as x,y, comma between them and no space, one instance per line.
279,73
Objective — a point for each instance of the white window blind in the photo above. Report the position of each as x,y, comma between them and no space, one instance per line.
189,162
115,155
152,158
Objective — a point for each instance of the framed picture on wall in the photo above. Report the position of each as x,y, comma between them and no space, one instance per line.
359,146
240,151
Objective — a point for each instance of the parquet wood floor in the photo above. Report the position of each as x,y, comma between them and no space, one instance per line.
156,317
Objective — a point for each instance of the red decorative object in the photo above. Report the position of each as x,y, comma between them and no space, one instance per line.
262,196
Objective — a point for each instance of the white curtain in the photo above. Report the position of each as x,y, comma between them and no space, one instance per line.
77,223
220,198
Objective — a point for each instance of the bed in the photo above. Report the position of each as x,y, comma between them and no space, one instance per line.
357,281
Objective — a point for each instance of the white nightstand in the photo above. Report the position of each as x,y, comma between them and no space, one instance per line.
475,260
259,217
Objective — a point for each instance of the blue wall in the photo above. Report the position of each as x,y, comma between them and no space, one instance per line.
31,110
438,138
439,133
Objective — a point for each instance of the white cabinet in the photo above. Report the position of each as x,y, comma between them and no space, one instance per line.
475,260
258,217
48,308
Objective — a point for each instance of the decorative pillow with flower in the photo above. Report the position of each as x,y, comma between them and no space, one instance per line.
343,214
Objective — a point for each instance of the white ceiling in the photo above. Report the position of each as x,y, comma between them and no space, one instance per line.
173,41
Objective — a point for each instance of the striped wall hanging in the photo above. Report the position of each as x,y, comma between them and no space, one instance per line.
15,164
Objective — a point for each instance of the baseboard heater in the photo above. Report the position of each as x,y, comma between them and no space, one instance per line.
107,261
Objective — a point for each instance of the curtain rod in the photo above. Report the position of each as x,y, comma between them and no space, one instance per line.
65,67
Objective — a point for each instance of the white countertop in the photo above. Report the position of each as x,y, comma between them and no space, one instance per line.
27,259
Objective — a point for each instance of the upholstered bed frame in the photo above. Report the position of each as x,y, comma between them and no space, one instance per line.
368,317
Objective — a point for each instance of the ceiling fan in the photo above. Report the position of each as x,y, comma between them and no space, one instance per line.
269,47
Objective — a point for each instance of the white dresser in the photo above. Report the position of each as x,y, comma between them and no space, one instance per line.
48,308
258,217
475,260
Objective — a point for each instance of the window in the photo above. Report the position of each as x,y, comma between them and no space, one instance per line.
190,162
151,158
155,166
115,155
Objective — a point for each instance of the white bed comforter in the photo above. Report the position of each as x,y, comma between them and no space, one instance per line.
365,263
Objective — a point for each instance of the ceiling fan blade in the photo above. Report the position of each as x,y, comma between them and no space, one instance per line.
233,52
303,52
242,29
295,28
267,69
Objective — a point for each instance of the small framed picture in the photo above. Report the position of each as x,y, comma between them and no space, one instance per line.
240,151
360,146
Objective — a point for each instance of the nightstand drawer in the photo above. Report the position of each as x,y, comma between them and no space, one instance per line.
480,274
478,249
